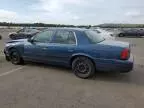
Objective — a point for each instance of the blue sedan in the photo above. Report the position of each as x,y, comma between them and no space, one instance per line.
83,50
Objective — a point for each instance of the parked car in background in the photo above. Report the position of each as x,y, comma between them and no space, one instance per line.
41,28
105,34
23,33
84,50
131,32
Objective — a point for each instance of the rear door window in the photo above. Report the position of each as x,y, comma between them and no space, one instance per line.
65,37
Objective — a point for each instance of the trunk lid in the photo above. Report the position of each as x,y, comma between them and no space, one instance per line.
115,43
110,49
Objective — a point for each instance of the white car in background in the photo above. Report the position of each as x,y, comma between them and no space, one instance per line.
106,34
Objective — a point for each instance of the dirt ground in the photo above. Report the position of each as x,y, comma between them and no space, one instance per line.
42,86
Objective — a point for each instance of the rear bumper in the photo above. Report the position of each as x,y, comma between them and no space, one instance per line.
115,65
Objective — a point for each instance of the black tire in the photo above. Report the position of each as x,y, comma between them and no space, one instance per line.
83,67
121,35
15,57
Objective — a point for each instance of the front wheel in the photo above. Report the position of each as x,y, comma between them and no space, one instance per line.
15,57
83,67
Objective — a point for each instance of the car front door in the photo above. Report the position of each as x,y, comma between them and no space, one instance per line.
37,49
62,47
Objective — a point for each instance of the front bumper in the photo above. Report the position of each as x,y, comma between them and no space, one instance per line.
115,65
6,52
7,57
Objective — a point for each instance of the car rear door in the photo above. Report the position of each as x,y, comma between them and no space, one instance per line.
63,46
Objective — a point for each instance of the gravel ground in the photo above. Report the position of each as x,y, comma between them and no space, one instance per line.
43,86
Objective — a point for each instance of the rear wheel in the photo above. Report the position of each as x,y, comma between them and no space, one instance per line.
15,57
83,67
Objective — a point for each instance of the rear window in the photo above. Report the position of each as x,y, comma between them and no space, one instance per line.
93,36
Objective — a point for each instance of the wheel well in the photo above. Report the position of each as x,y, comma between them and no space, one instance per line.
11,49
14,49
80,56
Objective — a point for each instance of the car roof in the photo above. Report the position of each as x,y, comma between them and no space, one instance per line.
70,29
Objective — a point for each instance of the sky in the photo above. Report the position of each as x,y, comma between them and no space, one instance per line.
76,12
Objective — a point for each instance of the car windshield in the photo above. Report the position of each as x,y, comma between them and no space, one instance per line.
93,36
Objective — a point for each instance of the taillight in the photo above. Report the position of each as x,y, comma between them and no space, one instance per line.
125,54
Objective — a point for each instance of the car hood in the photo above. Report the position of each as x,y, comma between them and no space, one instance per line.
18,40
115,43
